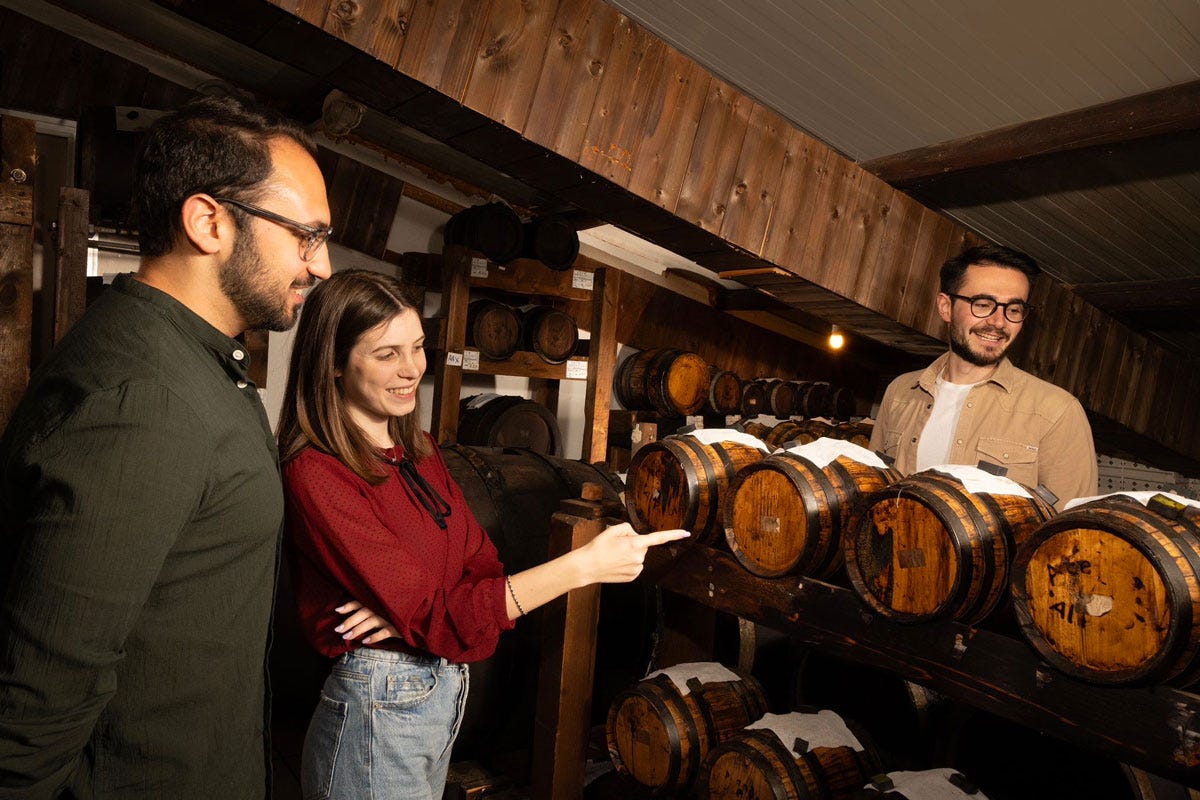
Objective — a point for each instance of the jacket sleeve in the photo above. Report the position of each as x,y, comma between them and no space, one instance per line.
105,496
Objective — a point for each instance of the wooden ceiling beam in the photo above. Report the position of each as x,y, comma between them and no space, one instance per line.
1175,109
1120,297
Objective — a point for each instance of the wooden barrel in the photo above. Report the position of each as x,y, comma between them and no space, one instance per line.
841,403
812,399
671,382
493,229
491,420
493,328
1109,592
755,429
855,432
925,548
754,399
551,240
758,763
658,736
943,783
724,393
785,432
680,482
780,397
550,333
785,514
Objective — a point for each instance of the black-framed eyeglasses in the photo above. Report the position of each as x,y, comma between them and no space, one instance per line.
983,306
313,236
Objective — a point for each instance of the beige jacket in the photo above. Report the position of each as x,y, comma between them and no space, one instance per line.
1034,429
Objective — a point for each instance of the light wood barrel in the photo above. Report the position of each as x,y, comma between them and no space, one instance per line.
854,432
1109,592
801,431
755,429
785,514
724,393
550,333
756,764
925,548
680,482
493,328
659,737
672,382
508,421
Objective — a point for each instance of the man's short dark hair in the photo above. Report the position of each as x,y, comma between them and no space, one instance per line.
215,145
989,255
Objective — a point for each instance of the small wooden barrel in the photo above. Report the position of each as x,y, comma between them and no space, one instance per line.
551,240
925,548
784,432
671,382
724,393
493,328
508,421
812,399
781,397
550,333
1109,592
493,229
754,398
680,482
756,763
659,737
841,403
854,432
755,429
785,514
932,784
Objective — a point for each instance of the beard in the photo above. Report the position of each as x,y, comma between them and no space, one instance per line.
246,281
960,345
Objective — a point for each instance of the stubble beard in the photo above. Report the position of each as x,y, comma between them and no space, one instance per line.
960,345
245,281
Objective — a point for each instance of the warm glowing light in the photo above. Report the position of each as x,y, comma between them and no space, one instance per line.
836,339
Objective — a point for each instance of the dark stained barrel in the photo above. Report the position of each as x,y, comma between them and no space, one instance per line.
925,548
680,482
780,397
508,421
812,399
758,763
785,514
671,382
754,399
1109,592
724,393
493,328
550,333
855,432
551,240
493,229
658,735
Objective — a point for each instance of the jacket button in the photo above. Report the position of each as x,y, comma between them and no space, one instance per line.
928,406
914,440
960,441
1006,455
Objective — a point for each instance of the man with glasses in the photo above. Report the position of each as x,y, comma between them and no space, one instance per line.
972,404
140,501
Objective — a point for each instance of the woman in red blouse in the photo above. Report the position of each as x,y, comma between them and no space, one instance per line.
373,515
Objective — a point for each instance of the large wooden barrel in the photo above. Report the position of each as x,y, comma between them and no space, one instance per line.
672,382
490,420
551,240
786,514
925,548
680,482
814,755
493,328
550,333
659,734
1109,592
724,393
493,229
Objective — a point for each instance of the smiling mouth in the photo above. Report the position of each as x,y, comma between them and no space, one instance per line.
992,336
402,393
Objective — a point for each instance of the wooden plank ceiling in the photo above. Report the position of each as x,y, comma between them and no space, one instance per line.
586,106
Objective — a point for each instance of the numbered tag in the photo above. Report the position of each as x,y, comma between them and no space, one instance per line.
581,279
479,268
454,359
471,360
577,370
696,422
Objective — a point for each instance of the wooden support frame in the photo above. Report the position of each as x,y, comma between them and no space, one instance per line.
18,157
70,260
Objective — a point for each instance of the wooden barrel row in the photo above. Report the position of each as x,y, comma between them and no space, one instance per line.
498,330
809,430
784,399
496,231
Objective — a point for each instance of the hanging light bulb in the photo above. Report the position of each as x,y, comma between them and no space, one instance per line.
836,339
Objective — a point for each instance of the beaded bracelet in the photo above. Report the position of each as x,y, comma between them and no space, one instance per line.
513,595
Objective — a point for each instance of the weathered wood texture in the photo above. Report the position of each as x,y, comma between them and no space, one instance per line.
70,260
363,200
18,159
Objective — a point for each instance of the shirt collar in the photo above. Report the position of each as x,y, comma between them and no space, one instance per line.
230,353
1004,376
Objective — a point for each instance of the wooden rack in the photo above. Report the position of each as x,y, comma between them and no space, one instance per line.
462,270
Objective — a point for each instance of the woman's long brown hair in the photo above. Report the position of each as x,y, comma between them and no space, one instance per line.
335,314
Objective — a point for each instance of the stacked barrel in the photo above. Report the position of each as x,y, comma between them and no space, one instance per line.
498,331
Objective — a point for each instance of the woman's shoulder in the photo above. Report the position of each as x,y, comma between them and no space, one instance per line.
311,463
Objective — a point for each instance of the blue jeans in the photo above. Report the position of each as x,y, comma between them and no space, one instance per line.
384,727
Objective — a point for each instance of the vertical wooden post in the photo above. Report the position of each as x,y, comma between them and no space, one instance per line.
70,261
447,386
602,358
568,661
18,151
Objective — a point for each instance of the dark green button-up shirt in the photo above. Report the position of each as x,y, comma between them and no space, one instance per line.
140,510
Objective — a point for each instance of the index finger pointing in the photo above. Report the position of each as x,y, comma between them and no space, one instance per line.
662,537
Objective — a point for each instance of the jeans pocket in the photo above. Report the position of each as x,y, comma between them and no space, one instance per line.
408,687
321,746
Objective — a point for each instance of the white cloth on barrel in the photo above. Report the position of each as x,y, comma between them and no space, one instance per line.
822,729
824,450
705,671
978,481
714,435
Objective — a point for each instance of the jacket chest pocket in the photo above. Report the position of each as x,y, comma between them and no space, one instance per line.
1020,459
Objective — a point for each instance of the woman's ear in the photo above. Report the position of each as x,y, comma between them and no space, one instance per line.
206,224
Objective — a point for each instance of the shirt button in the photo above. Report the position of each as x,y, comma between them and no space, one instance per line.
970,405
238,355
960,441
928,406
242,384
914,440
1006,455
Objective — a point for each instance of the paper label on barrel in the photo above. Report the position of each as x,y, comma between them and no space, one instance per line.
705,671
577,370
479,268
823,729
454,359
582,280
471,359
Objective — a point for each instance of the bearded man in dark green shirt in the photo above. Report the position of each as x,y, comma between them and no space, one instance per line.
140,503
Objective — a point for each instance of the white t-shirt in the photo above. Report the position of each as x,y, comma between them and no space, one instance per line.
937,438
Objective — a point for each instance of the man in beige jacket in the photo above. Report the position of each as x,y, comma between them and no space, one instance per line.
972,404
